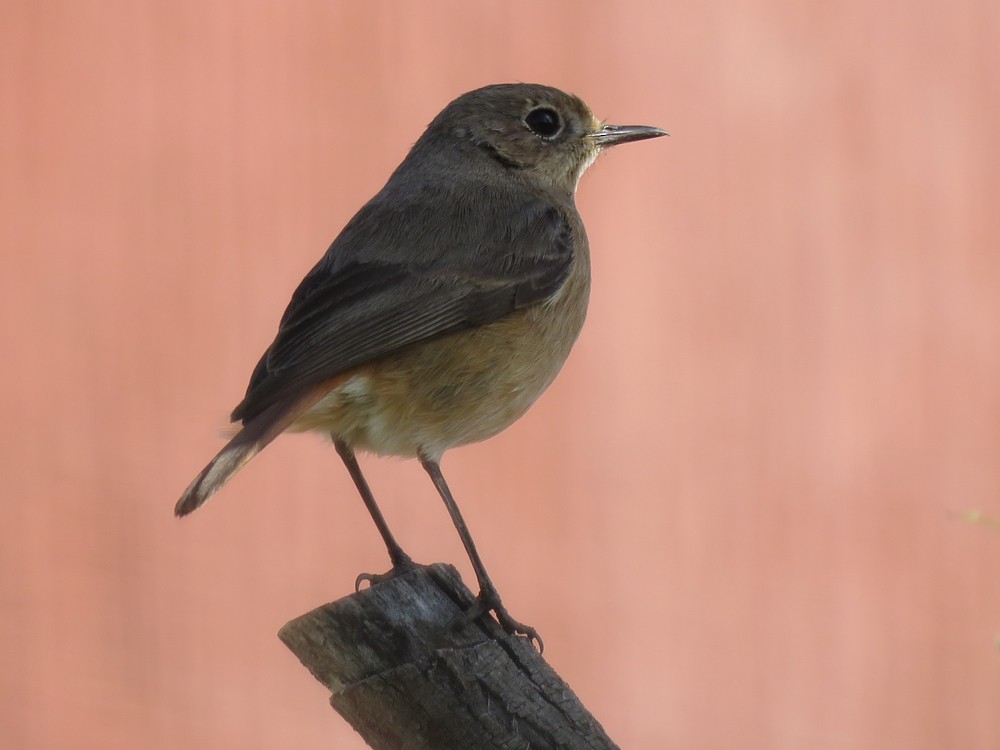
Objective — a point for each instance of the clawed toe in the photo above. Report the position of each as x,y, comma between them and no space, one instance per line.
400,565
489,601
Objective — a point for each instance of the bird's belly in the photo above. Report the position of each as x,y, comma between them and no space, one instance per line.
459,389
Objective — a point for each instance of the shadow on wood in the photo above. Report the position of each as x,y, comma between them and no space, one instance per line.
405,680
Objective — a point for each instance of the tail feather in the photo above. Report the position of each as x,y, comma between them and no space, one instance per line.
246,444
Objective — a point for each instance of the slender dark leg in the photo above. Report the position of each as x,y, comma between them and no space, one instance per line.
400,560
488,598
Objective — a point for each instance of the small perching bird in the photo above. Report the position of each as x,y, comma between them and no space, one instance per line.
444,308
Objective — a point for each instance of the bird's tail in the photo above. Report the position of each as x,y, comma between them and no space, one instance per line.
246,444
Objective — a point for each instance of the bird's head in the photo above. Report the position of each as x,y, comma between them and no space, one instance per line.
536,130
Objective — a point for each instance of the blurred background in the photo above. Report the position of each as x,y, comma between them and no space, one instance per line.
739,518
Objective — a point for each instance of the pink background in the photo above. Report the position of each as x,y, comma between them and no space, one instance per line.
736,517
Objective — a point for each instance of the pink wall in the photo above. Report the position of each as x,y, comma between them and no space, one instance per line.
734,518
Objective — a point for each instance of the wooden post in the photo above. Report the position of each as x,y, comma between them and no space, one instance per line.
406,678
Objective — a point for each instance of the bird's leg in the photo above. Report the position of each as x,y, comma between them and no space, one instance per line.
488,599
400,560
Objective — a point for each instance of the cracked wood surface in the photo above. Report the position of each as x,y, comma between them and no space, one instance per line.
406,680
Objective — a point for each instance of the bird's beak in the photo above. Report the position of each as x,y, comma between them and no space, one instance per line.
612,135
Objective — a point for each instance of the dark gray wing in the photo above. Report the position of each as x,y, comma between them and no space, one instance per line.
399,274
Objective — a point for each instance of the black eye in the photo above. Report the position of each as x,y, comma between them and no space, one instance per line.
544,122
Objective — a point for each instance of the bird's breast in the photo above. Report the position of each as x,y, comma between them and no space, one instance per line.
460,388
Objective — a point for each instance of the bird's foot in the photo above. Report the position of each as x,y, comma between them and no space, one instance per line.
489,601
401,563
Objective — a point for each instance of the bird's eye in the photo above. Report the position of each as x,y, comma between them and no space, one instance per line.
544,122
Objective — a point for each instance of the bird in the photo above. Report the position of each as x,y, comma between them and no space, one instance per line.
443,309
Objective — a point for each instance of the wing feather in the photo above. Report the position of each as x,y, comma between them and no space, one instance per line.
358,305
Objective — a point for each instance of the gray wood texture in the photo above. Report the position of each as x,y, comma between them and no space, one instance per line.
407,677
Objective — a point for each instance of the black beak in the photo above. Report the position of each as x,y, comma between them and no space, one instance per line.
612,135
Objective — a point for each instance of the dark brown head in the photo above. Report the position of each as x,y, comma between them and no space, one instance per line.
529,128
